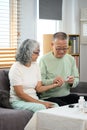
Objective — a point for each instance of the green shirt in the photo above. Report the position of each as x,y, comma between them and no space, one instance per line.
52,67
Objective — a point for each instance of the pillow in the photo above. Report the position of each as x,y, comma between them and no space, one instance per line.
4,99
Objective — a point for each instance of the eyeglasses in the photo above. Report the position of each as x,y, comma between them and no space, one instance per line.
36,52
63,49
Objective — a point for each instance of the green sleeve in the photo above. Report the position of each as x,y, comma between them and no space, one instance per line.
43,70
75,73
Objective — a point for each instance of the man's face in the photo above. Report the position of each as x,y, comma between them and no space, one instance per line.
59,48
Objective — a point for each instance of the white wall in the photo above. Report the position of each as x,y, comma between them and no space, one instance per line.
83,50
70,16
28,23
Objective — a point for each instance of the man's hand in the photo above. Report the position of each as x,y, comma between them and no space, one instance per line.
70,79
59,81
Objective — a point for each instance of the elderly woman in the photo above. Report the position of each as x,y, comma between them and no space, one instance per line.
25,79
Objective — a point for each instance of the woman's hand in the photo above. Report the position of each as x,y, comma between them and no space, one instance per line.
47,104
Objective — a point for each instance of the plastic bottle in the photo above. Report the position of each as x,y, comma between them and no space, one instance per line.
81,103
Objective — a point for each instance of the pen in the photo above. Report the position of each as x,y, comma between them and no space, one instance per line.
68,78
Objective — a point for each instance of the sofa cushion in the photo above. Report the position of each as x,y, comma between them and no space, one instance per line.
4,81
4,99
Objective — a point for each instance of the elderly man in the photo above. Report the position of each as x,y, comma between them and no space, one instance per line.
59,67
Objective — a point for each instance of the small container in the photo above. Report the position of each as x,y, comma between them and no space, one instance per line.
81,103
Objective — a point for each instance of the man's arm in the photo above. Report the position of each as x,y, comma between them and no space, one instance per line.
75,73
43,70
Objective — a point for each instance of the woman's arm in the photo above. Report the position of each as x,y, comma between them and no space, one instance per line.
40,88
21,94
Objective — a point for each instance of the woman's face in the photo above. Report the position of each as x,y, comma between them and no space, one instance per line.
35,54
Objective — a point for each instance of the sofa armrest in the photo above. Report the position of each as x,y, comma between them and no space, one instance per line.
81,89
11,119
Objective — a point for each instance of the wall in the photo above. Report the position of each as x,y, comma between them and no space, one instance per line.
70,16
28,23
83,50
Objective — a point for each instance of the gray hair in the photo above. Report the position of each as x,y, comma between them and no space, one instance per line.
25,51
60,35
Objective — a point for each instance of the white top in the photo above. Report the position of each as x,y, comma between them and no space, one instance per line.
25,76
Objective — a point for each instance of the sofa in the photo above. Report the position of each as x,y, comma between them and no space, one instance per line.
80,89
10,119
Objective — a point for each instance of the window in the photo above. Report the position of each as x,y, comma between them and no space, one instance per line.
4,23
9,30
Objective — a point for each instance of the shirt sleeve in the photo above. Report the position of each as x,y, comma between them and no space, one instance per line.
43,73
15,76
75,73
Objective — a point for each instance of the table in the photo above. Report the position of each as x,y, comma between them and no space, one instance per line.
59,118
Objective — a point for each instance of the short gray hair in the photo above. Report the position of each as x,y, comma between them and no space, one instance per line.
60,35
25,51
